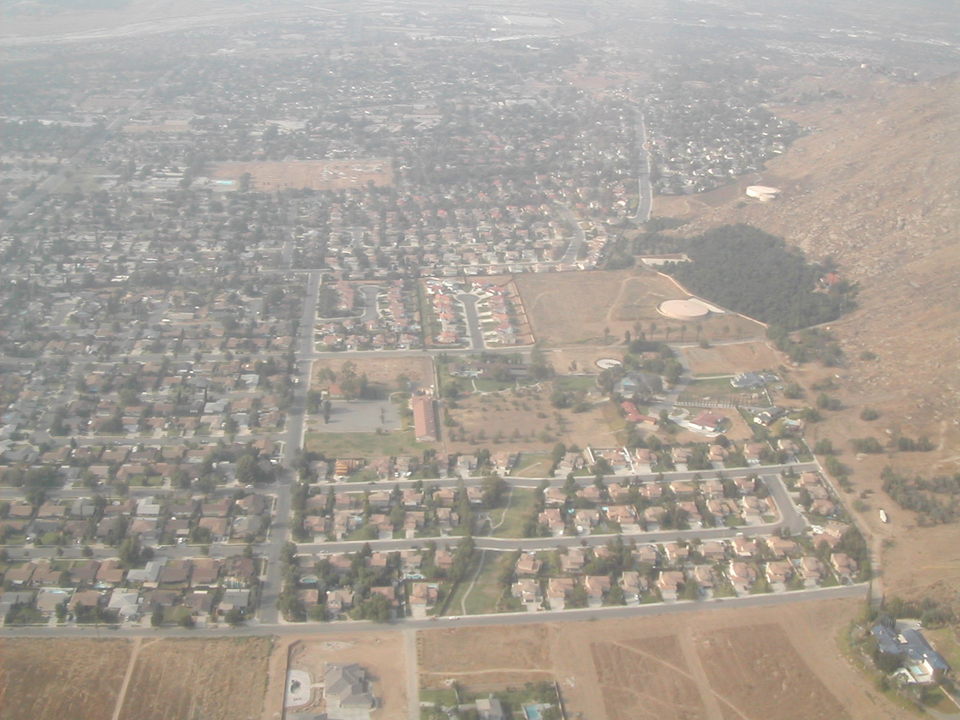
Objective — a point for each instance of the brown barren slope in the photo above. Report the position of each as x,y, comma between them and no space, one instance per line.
875,186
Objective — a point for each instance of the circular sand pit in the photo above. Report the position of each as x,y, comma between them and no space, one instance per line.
690,309
607,363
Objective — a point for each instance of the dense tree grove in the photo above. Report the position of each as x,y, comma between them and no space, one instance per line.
755,273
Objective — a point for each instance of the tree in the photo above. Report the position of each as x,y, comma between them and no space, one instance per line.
247,470
129,552
823,447
376,608
156,617
234,617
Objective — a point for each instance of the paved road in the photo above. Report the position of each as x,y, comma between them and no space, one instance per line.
578,240
644,189
370,311
474,330
293,445
519,618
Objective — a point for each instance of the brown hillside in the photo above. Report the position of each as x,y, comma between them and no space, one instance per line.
874,184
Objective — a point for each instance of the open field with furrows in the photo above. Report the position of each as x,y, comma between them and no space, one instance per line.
381,371
600,307
486,658
524,419
734,358
776,663
53,679
647,678
212,679
382,655
268,176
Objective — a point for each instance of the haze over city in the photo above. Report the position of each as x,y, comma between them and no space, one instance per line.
450,360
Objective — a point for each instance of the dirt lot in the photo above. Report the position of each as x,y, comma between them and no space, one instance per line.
381,654
776,663
527,421
211,678
382,371
51,679
479,658
724,359
317,175
618,302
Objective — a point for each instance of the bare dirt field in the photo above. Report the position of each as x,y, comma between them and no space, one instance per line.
382,371
579,307
317,175
638,682
212,678
50,679
775,663
724,359
480,659
524,419
381,654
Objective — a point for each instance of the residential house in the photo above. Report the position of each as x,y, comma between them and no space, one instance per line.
597,587
811,570
557,591
345,687
633,585
669,584
528,591
528,565
742,576
845,567
778,573
573,560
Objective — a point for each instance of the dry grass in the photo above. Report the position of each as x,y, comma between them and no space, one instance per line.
578,307
216,679
382,371
48,679
268,176
526,420
722,359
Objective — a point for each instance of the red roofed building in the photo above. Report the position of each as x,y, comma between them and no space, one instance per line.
424,418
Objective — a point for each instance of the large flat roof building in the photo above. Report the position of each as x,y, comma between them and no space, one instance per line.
424,418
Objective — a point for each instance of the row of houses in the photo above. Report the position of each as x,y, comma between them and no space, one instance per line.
202,586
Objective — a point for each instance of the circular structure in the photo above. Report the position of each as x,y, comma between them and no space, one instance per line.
607,363
690,309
